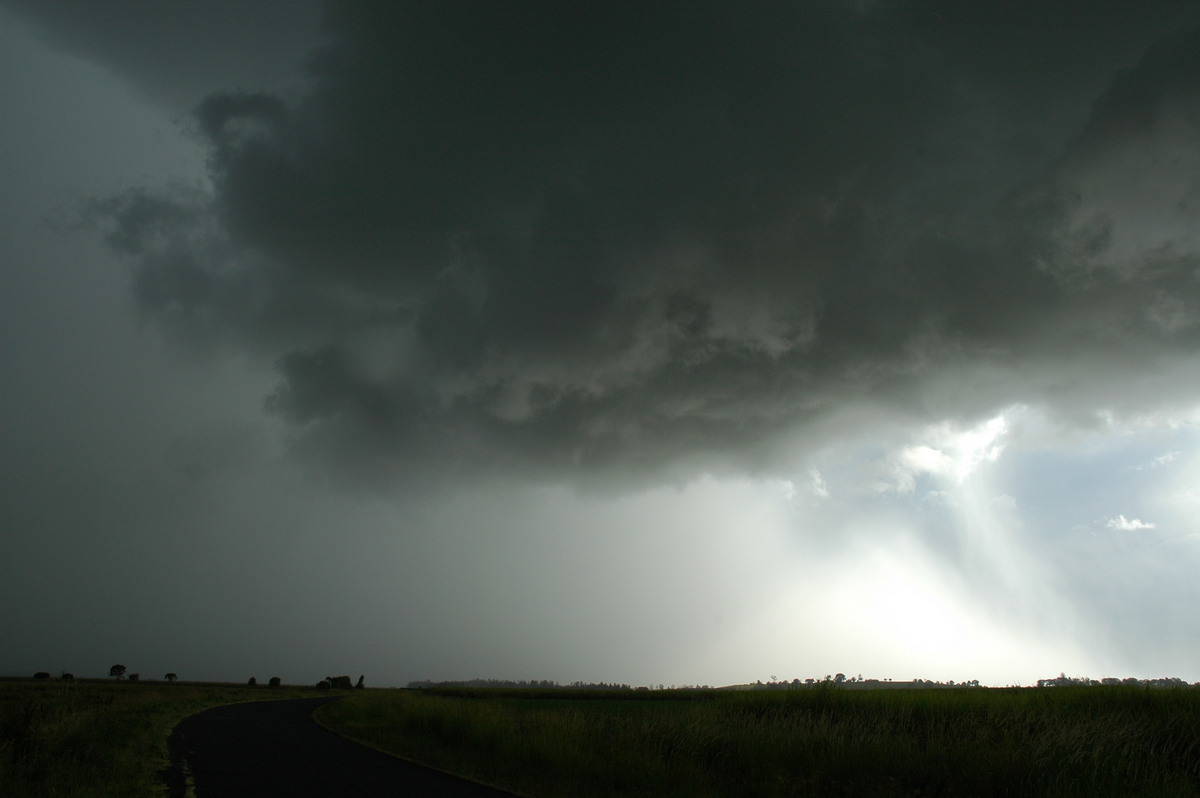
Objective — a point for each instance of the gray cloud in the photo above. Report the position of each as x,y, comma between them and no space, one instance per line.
177,53
593,237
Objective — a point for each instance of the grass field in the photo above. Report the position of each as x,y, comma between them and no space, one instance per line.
107,738
94,739
1088,741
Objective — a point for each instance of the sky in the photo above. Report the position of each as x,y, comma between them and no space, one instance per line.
653,343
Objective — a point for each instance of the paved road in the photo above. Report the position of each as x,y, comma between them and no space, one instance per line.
263,749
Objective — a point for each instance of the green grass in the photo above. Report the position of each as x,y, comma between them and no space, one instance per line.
109,739
1092,741
97,739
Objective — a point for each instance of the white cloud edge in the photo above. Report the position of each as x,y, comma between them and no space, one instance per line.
1128,524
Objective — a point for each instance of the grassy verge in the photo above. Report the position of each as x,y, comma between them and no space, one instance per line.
99,739
1096,741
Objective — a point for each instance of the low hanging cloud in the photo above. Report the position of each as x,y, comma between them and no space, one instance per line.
599,237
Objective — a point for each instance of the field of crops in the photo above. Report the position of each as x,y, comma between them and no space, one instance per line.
108,738
824,741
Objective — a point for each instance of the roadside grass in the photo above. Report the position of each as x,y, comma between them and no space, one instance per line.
1087,741
97,738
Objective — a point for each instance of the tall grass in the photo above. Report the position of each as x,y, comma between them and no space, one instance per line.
1096,741
98,739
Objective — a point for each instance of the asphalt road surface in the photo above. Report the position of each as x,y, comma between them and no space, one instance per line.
274,748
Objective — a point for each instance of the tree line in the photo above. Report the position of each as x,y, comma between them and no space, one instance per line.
531,684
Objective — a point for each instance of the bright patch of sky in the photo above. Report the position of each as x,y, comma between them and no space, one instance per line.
970,541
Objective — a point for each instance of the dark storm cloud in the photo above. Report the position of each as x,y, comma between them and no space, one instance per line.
180,52
577,236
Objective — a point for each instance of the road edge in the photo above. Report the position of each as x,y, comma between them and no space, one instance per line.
411,761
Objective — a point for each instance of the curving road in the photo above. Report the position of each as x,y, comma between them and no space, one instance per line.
274,748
